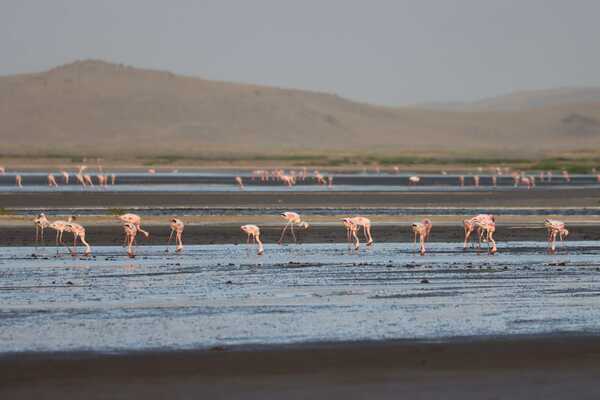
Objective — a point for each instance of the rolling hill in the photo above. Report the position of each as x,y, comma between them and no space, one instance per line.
98,108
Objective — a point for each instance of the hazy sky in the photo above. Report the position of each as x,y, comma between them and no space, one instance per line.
388,52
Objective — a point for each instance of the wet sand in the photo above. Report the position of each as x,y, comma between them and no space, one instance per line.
539,197
555,367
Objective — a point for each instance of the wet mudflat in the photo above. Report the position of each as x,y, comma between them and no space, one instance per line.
225,295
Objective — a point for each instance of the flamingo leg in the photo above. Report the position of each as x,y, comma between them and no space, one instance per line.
293,234
169,241
283,233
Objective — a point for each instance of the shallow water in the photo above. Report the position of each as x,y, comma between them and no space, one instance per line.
227,295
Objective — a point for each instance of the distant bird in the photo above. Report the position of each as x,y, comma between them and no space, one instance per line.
319,178
80,179
41,222
494,180
151,171
52,181
476,223
414,180
65,176
461,181
238,180
19,181
78,232
292,219
555,228
113,179
355,223
60,227
422,230
135,220
2,170
177,227
330,181
351,232
476,180
566,175
253,233
88,179
130,231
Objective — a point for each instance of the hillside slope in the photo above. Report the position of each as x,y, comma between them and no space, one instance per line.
94,107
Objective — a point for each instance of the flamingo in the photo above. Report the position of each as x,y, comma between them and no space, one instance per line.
253,232
19,181
151,171
351,232
78,233
476,180
177,227
292,219
421,229
113,179
60,227
288,180
471,224
494,180
135,220
365,223
2,170
80,179
41,222
330,181
319,178
565,175
461,181
130,234
555,228
487,228
413,180
88,179
238,180
65,176
52,181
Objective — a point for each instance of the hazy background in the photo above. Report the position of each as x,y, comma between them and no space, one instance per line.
385,52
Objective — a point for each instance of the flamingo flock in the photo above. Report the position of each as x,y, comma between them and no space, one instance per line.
483,225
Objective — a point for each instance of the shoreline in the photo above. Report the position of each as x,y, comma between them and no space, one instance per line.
552,367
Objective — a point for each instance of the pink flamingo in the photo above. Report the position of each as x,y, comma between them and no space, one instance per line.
476,180
396,169
330,181
555,228
52,181
471,224
421,229
487,228
78,233
151,171
288,180
253,232
566,175
41,222
319,178
292,219
113,179
19,181
88,179
135,220
461,181
365,223
238,180
80,179
130,234
60,227
549,176
413,180
351,232
494,180
65,176
2,170
177,227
